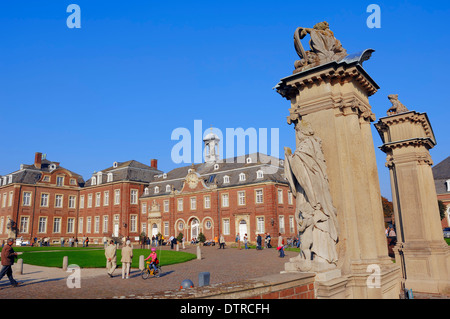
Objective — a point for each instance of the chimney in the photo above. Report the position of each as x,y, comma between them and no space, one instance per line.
154,163
37,160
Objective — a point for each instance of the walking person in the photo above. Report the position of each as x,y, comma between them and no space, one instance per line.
111,258
127,257
281,245
8,256
221,242
259,242
246,241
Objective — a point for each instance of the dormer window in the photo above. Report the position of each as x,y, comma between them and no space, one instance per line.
448,185
109,177
168,188
226,179
216,167
115,164
241,177
99,178
249,160
165,175
146,191
259,174
156,190
9,179
93,180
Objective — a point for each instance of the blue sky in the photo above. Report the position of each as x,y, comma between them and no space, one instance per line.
115,89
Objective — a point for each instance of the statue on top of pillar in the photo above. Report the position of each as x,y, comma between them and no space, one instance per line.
324,47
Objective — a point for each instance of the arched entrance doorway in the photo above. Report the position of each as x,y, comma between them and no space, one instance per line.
154,230
194,228
242,229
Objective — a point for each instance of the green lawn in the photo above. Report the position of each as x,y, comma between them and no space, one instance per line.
92,257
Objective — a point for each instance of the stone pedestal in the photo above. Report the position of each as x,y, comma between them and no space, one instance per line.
333,98
421,250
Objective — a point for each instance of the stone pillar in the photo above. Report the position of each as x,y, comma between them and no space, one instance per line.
421,250
333,98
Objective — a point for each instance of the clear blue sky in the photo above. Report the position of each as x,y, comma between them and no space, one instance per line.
115,89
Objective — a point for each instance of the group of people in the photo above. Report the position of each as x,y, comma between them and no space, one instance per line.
126,260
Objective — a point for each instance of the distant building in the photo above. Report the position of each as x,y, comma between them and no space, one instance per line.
39,200
441,173
243,195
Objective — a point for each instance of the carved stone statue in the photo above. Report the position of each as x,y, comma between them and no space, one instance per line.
324,47
397,106
305,170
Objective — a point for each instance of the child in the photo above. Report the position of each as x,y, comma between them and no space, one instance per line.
154,259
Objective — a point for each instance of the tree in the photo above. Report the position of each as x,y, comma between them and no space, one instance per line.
201,238
442,209
388,208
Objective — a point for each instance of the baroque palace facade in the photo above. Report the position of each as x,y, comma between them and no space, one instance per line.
245,195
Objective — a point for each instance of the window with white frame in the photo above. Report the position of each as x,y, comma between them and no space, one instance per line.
156,190
280,196
24,223
10,199
93,180
26,199
226,226
226,179
133,223
80,225
105,224
259,196
70,225
98,199
168,188
180,205
82,201
5,197
72,201
89,224
2,224
44,199
116,196
207,201
281,222
58,201
225,200
57,225
97,224
260,226
291,224
166,206
89,202
144,208
290,198
259,174
193,203
109,177
134,197
166,228
106,198
241,177
42,228
146,191
59,180
241,198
